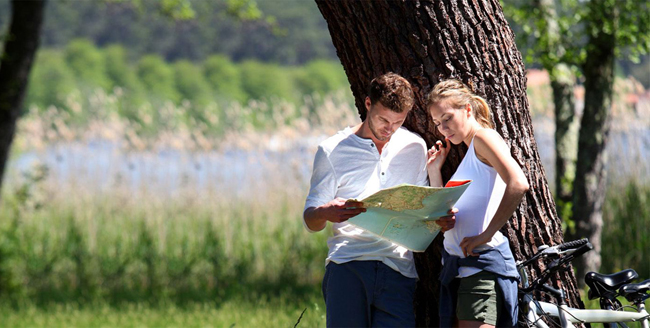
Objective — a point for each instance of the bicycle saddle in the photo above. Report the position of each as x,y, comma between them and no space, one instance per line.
635,291
603,285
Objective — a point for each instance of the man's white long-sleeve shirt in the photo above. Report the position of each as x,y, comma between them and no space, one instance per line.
349,166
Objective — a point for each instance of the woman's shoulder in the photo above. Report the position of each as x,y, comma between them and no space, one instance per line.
487,133
488,137
489,141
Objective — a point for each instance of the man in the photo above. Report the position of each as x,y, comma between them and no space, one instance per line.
368,281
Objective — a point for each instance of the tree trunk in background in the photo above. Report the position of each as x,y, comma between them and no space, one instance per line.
562,84
590,182
19,50
426,42
566,129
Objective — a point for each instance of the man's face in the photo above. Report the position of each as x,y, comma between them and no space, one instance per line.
383,122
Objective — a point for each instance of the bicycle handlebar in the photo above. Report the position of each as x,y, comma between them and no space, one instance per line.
572,250
572,244
552,251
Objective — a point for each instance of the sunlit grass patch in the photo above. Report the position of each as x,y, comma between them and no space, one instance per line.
281,311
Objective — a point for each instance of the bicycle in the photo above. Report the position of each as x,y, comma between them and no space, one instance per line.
605,287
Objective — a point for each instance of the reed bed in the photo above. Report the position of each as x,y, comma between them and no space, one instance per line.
80,248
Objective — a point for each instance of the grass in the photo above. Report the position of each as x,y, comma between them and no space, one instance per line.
69,259
626,230
281,311
74,260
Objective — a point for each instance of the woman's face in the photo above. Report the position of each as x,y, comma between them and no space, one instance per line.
451,121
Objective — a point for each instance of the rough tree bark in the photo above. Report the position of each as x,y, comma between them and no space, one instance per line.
427,41
20,47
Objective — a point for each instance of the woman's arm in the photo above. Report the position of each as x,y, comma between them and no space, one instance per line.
436,157
492,150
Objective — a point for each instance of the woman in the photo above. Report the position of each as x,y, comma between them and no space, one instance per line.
479,275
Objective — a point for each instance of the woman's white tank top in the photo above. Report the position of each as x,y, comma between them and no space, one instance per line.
476,206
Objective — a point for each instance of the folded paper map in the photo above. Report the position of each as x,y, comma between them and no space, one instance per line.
406,214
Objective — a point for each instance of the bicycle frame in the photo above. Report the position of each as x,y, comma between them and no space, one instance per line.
535,310
568,315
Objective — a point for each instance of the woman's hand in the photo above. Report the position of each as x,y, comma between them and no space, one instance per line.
437,155
469,243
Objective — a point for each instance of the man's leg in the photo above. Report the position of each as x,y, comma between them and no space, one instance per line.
393,299
347,289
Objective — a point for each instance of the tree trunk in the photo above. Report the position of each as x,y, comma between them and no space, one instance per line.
426,42
590,182
566,129
562,84
19,50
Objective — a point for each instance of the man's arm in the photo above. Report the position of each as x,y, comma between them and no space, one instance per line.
323,188
337,210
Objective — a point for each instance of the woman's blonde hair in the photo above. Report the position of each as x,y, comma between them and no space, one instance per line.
459,95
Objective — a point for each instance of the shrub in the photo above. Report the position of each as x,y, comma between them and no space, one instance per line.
224,78
190,83
51,80
263,81
157,77
118,71
87,63
321,76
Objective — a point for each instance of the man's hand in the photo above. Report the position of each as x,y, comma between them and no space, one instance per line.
447,222
337,210
340,210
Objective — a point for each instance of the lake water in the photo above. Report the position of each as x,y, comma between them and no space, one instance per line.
100,165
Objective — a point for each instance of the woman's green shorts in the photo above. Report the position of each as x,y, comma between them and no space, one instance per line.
478,298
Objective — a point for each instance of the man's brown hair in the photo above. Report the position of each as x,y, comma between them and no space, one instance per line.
392,91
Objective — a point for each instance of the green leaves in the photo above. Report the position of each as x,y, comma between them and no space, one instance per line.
177,9
87,63
558,31
244,9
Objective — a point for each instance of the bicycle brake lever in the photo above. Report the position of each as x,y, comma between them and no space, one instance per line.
553,264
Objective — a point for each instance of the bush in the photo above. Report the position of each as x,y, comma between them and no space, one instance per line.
190,83
263,81
51,81
157,78
224,78
321,76
118,71
87,63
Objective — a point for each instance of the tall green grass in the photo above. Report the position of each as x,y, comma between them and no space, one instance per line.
626,230
120,249
282,311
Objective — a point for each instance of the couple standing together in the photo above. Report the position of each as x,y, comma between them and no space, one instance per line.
369,281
